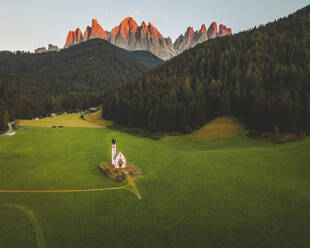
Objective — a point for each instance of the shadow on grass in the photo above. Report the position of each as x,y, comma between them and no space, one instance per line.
138,132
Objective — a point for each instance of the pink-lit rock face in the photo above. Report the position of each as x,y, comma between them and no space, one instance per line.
212,30
74,37
155,35
191,38
97,31
203,30
130,36
223,30
78,36
144,31
190,34
87,33
128,27
187,40
125,35
70,39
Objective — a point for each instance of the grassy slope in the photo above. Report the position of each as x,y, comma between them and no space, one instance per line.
220,132
224,192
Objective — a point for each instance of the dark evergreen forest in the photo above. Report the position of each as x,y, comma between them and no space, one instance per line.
33,85
261,76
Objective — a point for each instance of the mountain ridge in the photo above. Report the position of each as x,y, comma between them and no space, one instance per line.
90,66
130,36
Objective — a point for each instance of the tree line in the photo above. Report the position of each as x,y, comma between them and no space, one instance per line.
34,85
261,76
19,101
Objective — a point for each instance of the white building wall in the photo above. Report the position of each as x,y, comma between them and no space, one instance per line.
118,157
113,154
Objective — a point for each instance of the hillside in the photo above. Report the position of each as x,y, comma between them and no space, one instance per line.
32,85
90,66
261,76
5,52
147,58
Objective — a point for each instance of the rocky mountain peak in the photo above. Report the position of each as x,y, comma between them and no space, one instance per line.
190,31
40,50
185,41
70,39
223,30
128,27
130,22
97,31
203,30
51,48
212,30
114,33
143,25
130,36
78,36
87,33
144,32
155,35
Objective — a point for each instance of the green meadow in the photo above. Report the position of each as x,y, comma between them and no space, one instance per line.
212,188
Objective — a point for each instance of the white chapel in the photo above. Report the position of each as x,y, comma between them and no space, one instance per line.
118,160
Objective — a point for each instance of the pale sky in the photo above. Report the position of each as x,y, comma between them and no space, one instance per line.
29,24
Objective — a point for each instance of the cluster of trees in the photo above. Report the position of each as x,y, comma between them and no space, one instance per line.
261,75
33,85
19,101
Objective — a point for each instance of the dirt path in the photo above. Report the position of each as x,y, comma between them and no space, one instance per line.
37,228
131,186
57,190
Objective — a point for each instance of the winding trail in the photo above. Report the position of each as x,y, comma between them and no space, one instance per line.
130,186
41,243
38,231
57,190
133,187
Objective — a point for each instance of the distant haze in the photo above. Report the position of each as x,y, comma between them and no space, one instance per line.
27,25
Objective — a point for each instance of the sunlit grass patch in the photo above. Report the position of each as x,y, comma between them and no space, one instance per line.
221,132
220,128
68,120
97,119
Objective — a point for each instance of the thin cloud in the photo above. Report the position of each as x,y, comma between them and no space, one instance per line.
157,21
107,14
138,13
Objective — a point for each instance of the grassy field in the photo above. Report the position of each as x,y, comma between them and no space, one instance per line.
68,120
205,189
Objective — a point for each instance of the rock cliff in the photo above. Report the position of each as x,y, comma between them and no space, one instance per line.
130,36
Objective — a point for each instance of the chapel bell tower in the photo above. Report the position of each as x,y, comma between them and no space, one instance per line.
113,154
